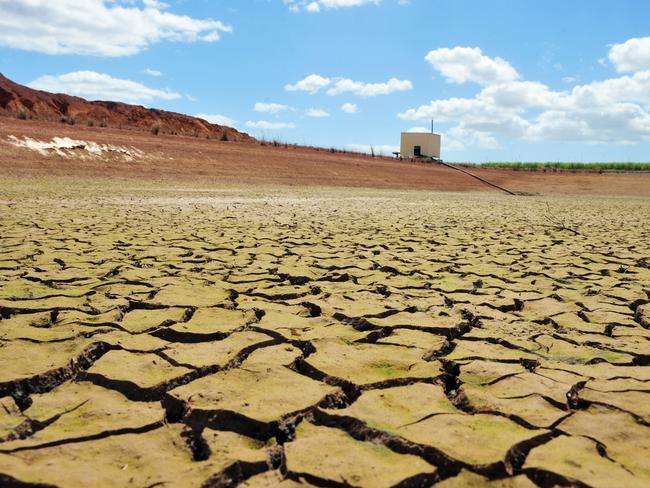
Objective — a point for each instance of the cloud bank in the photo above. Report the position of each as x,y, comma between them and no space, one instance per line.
615,110
314,83
98,27
99,86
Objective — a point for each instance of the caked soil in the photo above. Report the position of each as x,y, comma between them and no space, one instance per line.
285,337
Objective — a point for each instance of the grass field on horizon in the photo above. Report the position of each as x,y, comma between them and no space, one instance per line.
567,166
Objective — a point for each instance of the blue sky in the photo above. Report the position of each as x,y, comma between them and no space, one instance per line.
502,80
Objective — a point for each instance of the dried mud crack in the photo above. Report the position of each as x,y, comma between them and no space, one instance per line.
322,338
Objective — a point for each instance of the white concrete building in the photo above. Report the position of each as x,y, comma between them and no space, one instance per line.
420,145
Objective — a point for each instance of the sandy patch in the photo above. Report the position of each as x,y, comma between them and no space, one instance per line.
67,147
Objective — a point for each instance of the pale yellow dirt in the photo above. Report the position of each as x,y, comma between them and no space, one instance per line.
155,336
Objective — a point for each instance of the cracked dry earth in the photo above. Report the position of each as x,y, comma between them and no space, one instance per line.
323,338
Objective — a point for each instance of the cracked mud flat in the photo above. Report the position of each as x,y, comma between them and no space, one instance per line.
325,338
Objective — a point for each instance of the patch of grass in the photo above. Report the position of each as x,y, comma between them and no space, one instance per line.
557,166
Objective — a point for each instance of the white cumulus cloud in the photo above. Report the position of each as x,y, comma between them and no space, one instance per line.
611,111
98,27
632,55
382,149
350,108
316,113
266,125
99,86
311,84
218,119
152,72
314,83
369,89
315,6
462,64
271,108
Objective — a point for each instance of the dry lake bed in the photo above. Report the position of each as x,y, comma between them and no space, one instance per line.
327,337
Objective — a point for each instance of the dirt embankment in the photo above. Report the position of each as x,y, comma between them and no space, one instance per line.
26,103
167,158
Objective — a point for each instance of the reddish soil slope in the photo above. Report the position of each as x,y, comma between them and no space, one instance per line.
191,160
23,102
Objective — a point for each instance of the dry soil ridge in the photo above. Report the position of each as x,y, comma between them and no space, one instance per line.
179,160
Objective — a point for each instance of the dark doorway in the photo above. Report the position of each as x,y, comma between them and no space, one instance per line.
417,151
